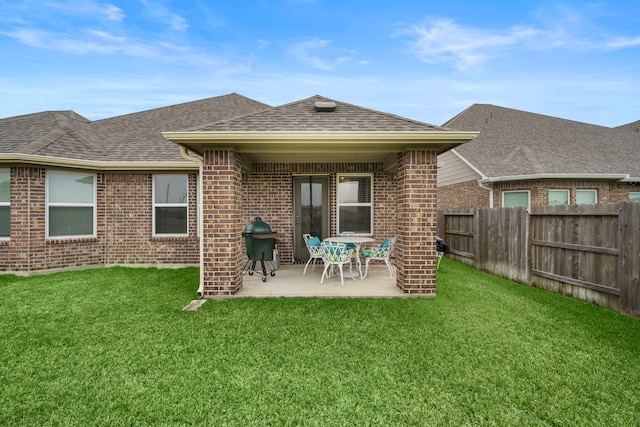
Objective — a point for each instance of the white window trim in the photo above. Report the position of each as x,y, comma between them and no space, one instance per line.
595,192
519,191
169,205
563,190
338,204
5,238
93,205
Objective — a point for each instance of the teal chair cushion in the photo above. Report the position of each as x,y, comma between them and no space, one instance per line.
386,243
314,241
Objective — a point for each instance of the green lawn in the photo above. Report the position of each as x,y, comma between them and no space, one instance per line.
112,347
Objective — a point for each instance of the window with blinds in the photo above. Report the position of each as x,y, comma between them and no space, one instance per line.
355,203
170,205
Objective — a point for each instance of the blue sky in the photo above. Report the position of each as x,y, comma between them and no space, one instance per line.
424,60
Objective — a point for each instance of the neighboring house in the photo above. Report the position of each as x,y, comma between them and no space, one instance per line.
77,193
527,159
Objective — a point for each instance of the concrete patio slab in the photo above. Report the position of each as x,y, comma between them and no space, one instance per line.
289,282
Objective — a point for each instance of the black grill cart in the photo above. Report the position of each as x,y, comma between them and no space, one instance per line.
260,242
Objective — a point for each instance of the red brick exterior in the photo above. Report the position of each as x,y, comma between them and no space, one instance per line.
268,193
417,216
124,232
463,195
404,206
470,195
222,223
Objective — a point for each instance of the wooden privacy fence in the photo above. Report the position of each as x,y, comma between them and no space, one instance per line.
588,252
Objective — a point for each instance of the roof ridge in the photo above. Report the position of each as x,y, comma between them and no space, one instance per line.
180,104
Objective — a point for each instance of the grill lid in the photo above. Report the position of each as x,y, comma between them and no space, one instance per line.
257,227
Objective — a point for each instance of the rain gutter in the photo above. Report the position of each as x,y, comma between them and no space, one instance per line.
605,176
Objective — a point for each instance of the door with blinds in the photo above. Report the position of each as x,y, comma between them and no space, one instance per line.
310,211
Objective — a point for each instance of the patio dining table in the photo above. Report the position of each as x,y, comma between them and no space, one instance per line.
357,241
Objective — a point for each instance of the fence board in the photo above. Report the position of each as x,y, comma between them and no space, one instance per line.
589,252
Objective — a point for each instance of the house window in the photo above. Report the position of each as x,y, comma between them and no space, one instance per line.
634,196
558,197
512,199
355,204
71,204
586,197
5,204
170,204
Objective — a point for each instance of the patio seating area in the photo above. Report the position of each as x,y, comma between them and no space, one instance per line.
290,282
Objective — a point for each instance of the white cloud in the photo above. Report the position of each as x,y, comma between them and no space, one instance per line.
308,52
109,12
160,12
443,41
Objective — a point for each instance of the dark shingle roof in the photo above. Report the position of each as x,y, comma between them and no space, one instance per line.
138,136
631,127
513,142
50,133
301,116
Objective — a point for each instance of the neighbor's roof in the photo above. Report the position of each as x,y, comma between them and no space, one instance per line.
516,143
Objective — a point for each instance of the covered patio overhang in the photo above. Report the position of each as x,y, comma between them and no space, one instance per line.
223,157
317,147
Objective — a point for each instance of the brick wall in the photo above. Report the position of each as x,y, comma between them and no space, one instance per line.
222,223
268,193
124,226
463,195
417,217
608,191
470,195
129,239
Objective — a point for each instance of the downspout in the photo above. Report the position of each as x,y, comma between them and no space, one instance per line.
490,193
200,163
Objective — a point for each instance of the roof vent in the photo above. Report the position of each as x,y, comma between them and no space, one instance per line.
325,106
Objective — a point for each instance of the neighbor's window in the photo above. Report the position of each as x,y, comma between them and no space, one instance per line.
558,197
71,204
586,197
5,204
170,204
512,199
634,196
355,204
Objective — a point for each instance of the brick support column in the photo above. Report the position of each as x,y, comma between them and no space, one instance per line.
417,216
221,228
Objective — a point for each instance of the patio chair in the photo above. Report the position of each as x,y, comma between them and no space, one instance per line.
315,252
336,254
441,248
379,253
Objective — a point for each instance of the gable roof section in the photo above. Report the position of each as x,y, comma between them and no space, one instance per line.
302,116
138,136
129,142
298,132
50,134
516,144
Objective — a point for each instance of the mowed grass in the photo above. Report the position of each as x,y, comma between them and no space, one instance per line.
112,347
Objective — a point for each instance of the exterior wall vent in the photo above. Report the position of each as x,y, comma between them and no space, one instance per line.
325,106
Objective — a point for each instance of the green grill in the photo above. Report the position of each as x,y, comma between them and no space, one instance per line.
259,241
